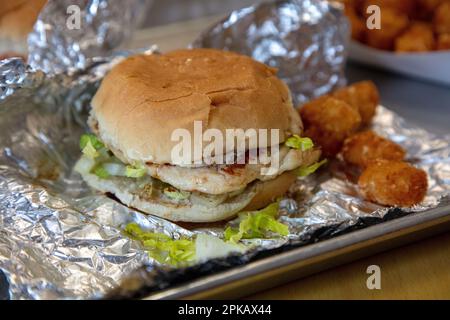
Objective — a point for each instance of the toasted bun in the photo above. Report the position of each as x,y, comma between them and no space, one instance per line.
270,190
17,18
255,196
146,97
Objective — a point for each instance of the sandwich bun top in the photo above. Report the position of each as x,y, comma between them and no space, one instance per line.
146,97
17,18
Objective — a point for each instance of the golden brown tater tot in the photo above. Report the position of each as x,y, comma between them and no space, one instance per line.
362,148
393,24
393,183
328,122
418,37
361,95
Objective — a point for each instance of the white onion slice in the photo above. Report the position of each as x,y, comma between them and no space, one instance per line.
209,247
115,169
84,165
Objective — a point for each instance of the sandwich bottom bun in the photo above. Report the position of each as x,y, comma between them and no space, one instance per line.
255,196
269,191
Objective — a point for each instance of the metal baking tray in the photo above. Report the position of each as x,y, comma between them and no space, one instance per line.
300,262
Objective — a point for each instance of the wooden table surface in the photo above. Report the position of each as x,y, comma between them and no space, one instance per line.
417,271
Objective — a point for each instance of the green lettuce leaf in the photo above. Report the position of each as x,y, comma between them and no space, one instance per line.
101,172
297,142
135,171
257,224
92,139
90,151
106,164
161,247
306,171
90,145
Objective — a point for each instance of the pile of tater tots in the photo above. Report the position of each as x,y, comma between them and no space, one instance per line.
406,25
340,124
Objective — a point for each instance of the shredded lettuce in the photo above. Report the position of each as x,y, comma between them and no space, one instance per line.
181,252
92,139
101,172
161,247
257,224
137,171
90,151
297,142
306,171
175,194
90,145
106,164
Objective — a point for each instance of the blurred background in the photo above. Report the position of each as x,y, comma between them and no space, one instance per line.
169,11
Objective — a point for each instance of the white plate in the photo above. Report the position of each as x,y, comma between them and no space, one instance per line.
433,66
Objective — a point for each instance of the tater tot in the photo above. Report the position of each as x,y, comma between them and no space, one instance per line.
362,148
393,183
363,96
328,122
441,19
393,24
418,37
443,42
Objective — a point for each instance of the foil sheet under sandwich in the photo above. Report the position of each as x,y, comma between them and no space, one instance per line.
59,239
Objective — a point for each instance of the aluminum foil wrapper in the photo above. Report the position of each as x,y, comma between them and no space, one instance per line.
70,33
59,239
305,39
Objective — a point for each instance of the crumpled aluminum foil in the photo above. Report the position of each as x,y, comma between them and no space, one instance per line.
60,239
305,39
59,44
